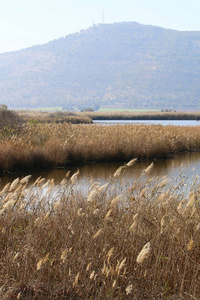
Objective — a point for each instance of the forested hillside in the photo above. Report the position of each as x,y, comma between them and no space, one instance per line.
124,65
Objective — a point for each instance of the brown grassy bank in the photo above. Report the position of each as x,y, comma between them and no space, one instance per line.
143,116
140,242
53,145
54,117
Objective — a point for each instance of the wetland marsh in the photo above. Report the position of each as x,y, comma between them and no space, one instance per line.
133,233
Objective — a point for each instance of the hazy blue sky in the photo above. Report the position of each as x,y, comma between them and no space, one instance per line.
24,23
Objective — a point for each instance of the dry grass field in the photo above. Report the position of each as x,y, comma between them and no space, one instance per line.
115,241
54,117
143,115
42,145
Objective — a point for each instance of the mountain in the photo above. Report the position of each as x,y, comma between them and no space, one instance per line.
123,64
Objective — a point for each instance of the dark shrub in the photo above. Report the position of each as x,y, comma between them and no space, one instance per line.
9,119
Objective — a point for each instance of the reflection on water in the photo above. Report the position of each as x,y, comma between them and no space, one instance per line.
188,164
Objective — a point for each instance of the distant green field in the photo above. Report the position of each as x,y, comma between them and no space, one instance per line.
108,109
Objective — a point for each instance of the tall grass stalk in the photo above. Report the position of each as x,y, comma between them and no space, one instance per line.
128,242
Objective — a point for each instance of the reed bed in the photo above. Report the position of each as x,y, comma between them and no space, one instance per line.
115,241
45,145
35,117
127,115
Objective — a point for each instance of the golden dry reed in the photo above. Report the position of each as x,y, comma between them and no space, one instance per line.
115,242
43,145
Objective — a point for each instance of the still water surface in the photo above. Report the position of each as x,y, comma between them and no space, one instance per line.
148,122
188,164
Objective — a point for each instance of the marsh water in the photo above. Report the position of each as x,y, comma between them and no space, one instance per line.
148,122
186,164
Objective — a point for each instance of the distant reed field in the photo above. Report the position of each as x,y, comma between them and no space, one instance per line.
54,117
138,241
42,145
143,115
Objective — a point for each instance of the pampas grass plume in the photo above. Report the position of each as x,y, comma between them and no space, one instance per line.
108,214
64,255
97,234
110,253
149,168
190,245
88,266
63,181
74,177
25,179
14,184
163,224
144,253
131,162
129,289
92,275
119,172
39,264
134,226
76,279
115,201
6,188
121,265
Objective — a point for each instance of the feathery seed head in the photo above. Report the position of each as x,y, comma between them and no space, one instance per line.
131,162
39,264
108,214
97,234
115,201
76,279
46,184
14,184
190,245
93,195
6,188
149,168
119,172
25,179
134,226
192,198
63,181
94,186
64,255
144,253
92,275
129,289
121,265
74,177
110,253
88,266
164,224
96,212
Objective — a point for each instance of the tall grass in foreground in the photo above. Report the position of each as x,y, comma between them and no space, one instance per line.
52,145
116,242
